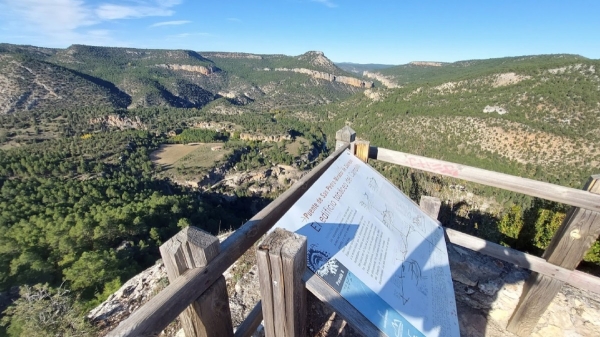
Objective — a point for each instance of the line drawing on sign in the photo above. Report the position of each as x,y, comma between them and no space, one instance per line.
404,240
418,222
383,316
373,186
415,271
388,219
366,202
432,238
408,268
398,328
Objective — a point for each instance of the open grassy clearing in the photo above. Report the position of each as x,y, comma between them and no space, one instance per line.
168,154
292,148
186,160
205,155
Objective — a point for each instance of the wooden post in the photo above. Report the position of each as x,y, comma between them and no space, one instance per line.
281,260
578,231
209,314
362,150
345,136
160,310
430,205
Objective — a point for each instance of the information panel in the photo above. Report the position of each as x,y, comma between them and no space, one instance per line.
374,246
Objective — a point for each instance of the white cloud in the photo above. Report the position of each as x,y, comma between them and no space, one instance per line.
234,20
52,16
62,22
113,12
171,23
326,3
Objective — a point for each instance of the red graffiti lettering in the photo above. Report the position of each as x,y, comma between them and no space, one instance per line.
448,169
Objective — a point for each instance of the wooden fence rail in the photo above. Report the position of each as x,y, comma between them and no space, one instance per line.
534,188
577,233
163,308
193,273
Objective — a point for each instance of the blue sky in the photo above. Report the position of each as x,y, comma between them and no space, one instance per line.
377,31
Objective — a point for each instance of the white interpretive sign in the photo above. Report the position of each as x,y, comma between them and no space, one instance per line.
374,246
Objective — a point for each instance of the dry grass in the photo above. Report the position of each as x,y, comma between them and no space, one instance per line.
184,161
292,148
511,140
168,154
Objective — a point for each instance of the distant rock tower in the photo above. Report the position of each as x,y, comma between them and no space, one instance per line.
343,136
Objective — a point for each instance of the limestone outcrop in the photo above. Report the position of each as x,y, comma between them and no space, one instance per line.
263,138
233,55
117,121
494,108
186,67
385,80
353,81
426,64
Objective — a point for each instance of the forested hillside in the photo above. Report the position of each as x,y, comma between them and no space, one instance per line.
84,206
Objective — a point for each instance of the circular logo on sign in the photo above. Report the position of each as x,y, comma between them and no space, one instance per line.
316,258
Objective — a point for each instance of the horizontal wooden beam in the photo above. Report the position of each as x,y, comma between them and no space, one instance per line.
565,195
171,301
575,278
251,323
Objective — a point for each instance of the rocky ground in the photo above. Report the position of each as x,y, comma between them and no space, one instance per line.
486,289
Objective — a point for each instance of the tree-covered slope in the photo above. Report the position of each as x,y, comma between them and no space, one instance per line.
515,112
31,84
184,78
424,72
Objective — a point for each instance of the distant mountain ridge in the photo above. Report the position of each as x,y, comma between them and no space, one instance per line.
359,68
128,78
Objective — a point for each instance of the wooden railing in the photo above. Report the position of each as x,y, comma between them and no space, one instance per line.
195,261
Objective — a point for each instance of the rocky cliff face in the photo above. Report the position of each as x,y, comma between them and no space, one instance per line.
319,60
386,81
232,55
195,69
263,138
487,291
356,82
426,64
117,121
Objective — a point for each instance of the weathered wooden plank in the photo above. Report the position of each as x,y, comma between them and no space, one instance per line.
169,303
575,278
281,261
329,296
565,195
430,205
266,291
538,292
251,323
578,231
209,314
293,258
